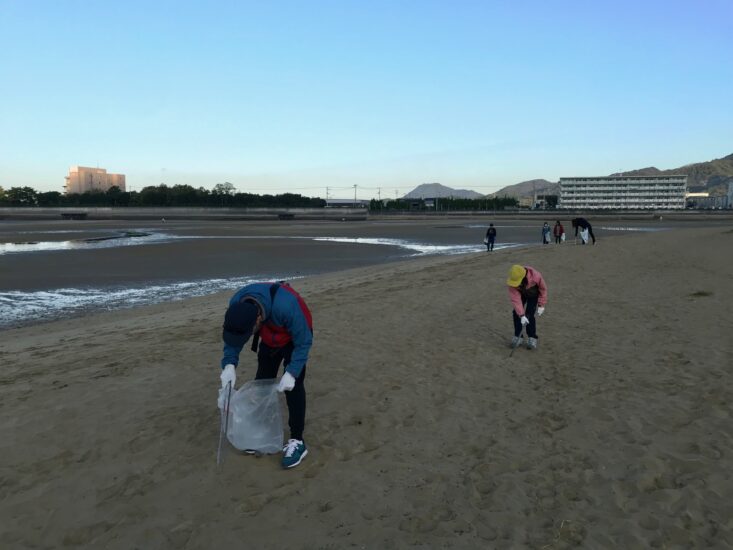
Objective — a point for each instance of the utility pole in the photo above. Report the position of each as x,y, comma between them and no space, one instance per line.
326,193
354,193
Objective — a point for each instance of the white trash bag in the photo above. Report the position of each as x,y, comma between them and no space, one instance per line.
255,419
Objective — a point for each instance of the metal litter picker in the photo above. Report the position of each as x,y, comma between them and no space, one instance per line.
224,423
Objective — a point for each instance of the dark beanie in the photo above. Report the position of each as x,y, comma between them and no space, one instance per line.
239,322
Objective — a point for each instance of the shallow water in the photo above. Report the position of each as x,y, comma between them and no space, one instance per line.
106,268
19,307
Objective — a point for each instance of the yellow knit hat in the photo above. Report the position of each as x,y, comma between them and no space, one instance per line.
516,274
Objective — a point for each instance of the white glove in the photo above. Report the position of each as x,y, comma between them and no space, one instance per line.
228,374
287,382
524,320
540,311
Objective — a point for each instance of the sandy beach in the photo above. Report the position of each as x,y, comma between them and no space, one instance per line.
423,431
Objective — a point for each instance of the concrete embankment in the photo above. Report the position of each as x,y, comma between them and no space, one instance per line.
172,213
340,214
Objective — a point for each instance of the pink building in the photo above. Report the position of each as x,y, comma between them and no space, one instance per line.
82,179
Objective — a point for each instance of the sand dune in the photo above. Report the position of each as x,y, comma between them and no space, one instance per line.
423,431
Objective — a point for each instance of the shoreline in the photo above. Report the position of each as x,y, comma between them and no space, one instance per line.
427,260
122,249
287,215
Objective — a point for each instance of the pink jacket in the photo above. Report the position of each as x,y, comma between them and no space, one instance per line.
534,278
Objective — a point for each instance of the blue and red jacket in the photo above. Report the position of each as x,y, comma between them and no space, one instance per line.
287,319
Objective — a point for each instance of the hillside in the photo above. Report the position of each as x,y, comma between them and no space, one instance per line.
712,176
436,190
528,188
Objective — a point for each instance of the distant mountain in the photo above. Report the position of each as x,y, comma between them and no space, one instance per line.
712,176
528,188
436,190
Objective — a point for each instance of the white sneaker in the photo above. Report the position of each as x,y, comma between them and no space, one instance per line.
531,343
293,452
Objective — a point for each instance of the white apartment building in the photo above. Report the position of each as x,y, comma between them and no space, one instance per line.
624,192
82,179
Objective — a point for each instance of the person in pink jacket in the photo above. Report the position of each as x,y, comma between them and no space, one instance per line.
528,293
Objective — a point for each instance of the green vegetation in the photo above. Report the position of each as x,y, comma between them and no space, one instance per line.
223,195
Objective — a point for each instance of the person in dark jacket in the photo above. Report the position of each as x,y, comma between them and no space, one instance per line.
558,231
584,225
490,237
546,233
283,328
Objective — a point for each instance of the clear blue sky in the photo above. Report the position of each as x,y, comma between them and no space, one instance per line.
298,96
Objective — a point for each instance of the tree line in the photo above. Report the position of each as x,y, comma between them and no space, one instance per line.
225,195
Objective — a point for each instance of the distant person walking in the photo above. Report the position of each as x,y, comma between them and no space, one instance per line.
490,237
528,294
278,316
585,229
546,233
559,232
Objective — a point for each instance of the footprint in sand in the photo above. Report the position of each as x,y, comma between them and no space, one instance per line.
441,517
481,479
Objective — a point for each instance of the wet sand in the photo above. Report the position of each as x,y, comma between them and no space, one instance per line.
268,249
223,249
615,433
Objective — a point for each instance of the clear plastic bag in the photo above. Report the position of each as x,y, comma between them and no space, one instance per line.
255,418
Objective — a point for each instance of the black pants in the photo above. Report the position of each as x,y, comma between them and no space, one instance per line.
530,306
268,363
490,244
558,239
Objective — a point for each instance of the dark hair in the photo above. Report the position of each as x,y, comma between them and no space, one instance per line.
239,321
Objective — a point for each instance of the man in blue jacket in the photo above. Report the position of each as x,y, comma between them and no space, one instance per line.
283,328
